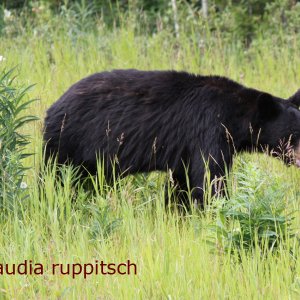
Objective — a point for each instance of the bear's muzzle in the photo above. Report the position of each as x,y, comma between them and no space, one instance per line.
297,155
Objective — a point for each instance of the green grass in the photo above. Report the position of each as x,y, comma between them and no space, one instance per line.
128,221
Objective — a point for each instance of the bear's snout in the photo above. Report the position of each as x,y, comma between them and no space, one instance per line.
297,155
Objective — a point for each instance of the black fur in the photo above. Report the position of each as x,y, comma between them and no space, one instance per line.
160,120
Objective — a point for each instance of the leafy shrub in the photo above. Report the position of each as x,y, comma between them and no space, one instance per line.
102,222
12,141
254,216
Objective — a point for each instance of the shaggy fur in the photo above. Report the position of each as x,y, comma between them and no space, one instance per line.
160,120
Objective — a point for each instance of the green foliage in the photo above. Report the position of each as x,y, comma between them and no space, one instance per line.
102,223
12,141
255,214
79,17
286,14
242,21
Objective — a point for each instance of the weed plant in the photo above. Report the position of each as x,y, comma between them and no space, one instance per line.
255,213
13,103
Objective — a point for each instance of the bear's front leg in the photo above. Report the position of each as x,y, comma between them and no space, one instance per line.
177,191
207,177
183,189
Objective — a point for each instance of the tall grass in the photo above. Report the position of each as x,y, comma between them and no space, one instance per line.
67,224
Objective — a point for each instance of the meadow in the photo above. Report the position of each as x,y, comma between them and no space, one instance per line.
177,256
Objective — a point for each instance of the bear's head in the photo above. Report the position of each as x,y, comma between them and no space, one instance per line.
278,122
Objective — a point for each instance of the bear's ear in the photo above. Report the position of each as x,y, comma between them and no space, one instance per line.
268,108
295,99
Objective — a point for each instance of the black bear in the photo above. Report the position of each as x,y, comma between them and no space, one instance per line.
167,120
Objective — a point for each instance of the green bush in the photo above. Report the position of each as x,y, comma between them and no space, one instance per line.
12,141
255,215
